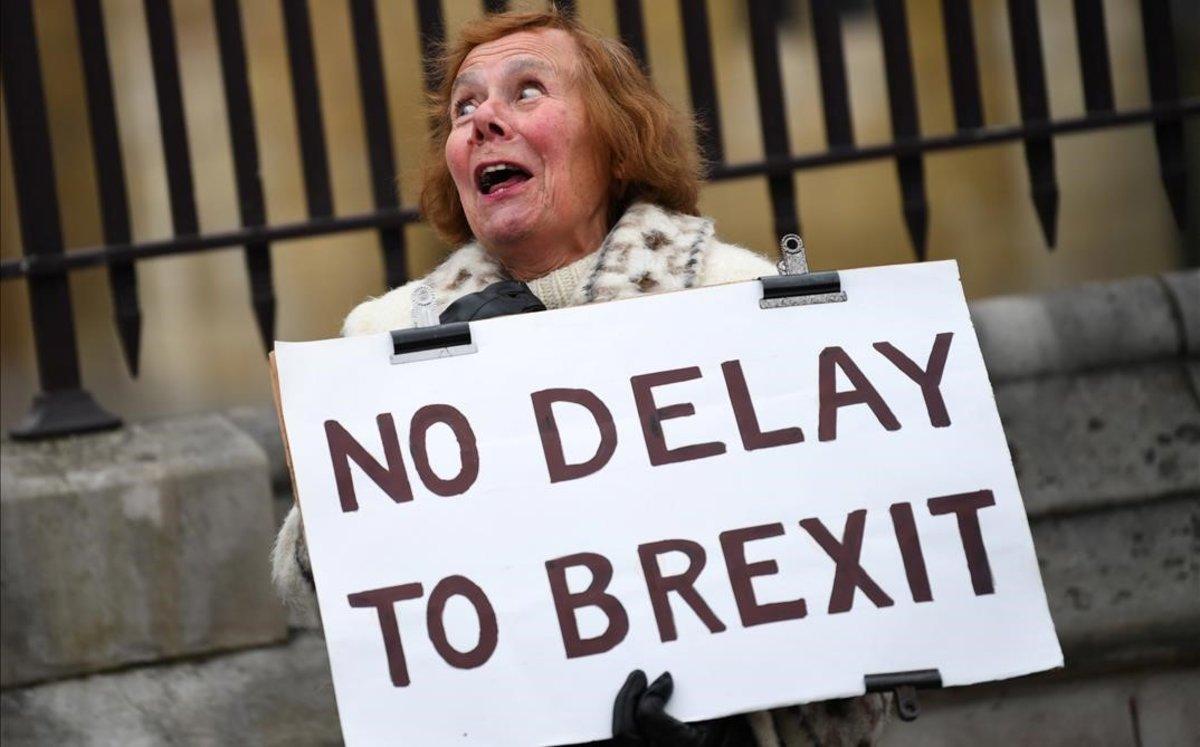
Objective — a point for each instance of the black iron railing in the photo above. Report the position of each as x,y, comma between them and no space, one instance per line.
63,406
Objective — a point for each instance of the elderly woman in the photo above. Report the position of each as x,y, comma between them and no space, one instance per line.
555,162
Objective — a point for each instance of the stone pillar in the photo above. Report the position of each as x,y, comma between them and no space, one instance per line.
137,545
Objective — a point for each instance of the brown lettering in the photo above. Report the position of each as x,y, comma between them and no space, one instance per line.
910,552
488,629
343,448
684,584
930,379
422,420
863,393
753,436
651,416
849,573
556,462
742,574
384,601
566,602
965,507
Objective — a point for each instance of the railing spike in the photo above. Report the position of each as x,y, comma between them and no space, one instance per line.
964,69
1164,89
172,122
1174,173
263,304
831,67
129,332
1035,108
1039,157
915,204
110,177
768,79
1094,68
239,111
432,29
702,86
632,30
306,100
372,88
902,103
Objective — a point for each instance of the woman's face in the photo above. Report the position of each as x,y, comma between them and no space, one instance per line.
520,148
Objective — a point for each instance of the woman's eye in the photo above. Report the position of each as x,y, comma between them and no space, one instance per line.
530,92
463,108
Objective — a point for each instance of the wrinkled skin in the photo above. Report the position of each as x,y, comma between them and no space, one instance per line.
518,99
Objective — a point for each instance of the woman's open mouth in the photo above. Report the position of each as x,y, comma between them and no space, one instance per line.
499,177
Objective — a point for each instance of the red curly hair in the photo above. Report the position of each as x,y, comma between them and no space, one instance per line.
648,143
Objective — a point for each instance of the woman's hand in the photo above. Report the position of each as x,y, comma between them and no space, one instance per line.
640,718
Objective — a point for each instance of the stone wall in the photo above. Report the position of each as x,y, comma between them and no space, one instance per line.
126,554
1099,392
132,546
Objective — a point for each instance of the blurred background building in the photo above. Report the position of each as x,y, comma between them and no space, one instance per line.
140,554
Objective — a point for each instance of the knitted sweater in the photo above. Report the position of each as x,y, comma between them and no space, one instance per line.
556,288
649,250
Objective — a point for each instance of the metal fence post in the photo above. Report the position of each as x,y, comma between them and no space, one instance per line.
62,406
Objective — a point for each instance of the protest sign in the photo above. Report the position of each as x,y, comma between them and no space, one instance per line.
768,503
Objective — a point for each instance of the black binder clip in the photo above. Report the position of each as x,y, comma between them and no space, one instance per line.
795,285
905,686
428,339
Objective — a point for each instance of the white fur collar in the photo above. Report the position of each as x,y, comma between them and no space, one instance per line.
649,250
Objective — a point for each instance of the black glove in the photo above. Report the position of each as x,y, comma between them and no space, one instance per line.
639,718
498,299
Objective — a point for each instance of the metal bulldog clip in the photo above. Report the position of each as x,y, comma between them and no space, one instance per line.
795,285
427,339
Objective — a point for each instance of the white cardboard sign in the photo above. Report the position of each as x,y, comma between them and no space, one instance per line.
768,503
